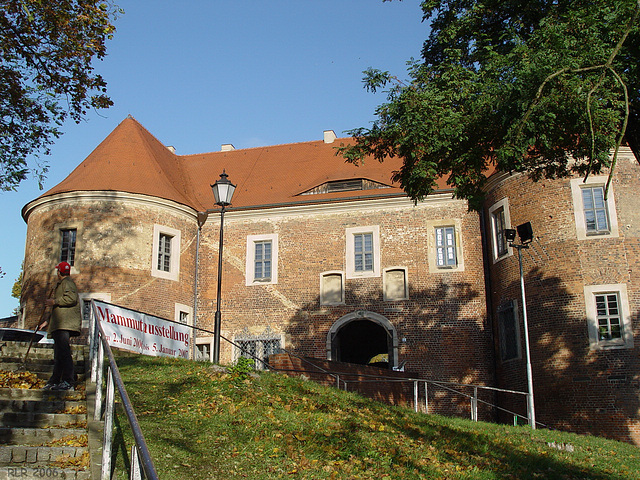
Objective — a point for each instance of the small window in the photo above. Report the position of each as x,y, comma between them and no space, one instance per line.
395,284
509,331
608,318
595,210
262,261
332,288
68,246
446,247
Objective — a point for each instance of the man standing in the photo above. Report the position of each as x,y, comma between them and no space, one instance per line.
65,322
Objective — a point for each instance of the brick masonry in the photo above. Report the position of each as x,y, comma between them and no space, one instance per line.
446,329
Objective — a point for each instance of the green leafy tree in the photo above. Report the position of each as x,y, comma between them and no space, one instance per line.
546,87
47,76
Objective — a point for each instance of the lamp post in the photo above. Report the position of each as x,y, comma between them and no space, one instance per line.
525,232
222,192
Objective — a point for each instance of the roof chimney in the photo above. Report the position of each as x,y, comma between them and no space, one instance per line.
329,136
227,147
171,148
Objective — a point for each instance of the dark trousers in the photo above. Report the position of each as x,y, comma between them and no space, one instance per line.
63,369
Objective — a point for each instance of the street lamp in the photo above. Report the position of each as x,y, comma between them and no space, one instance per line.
525,232
222,192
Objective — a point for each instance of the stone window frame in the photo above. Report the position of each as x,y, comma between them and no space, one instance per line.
181,308
85,301
323,287
432,225
174,262
250,259
626,341
496,207
386,282
207,343
350,234
577,184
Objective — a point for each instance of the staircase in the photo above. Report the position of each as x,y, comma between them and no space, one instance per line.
44,433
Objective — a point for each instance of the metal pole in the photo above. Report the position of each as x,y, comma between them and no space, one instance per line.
530,403
217,322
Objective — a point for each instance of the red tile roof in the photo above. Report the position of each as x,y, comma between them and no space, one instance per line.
132,160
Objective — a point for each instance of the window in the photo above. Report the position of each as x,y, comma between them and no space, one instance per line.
262,259
500,221
85,305
183,313
509,331
608,318
395,285
258,348
332,288
68,246
595,210
594,216
204,349
446,247
166,252
363,252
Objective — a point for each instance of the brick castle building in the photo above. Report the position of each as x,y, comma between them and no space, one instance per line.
333,261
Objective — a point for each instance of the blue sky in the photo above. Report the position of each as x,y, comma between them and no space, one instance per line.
198,74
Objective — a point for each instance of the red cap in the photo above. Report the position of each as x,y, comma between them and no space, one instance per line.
64,268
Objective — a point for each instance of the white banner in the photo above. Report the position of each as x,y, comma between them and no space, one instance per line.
142,333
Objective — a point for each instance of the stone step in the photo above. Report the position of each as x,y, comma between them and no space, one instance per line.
36,436
42,420
35,472
36,354
43,375
34,363
40,394
26,455
41,406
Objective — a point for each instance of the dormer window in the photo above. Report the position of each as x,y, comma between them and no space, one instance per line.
350,185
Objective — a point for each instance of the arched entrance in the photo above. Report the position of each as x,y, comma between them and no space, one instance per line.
363,337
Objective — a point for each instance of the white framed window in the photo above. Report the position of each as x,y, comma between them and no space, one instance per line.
594,216
262,259
165,262
183,314
608,318
445,245
332,288
509,326
204,349
500,220
363,251
395,285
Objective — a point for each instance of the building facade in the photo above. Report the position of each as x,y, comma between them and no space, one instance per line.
333,261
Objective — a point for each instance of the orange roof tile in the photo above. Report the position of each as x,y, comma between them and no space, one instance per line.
132,160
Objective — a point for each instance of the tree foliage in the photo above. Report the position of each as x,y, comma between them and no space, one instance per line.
47,76
547,87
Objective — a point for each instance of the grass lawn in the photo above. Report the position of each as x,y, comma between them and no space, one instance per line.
201,423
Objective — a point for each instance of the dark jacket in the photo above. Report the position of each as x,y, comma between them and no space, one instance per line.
66,311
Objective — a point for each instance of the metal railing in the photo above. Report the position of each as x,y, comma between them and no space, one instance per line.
141,462
343,382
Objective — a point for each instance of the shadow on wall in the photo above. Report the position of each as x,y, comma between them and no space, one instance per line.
438,333
103,246
575,388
